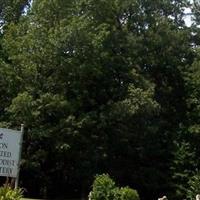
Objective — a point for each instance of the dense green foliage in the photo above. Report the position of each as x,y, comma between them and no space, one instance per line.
126,193
104,188
7,193
107,86
194,186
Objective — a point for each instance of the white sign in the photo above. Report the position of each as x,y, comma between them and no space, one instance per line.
9,152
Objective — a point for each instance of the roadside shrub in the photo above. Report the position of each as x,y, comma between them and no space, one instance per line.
7,193
104,188
126,193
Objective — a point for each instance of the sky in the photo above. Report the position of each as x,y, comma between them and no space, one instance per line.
188,20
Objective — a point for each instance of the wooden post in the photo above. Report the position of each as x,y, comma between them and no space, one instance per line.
6,184
20,152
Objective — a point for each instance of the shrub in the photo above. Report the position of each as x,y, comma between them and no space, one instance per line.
193,186
104,188
6,193
127,193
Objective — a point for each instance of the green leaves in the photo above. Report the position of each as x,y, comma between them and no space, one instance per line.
22,107
104,188
6,193
100,86
193,188
183,168
11,10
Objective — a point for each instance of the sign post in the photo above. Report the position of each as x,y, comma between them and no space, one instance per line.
10,152
20,153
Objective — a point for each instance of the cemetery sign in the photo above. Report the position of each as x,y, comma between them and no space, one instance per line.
10,147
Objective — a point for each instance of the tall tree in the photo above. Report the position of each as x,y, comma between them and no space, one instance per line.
100,89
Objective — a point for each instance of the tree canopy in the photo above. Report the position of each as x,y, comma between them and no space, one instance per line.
107,86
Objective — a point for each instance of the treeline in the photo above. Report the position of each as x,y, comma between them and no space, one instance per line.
103,86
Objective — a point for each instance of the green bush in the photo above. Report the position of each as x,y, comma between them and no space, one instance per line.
6,193
127,193
104,188
193,186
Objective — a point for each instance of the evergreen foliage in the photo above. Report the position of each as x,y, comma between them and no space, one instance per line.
194,186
